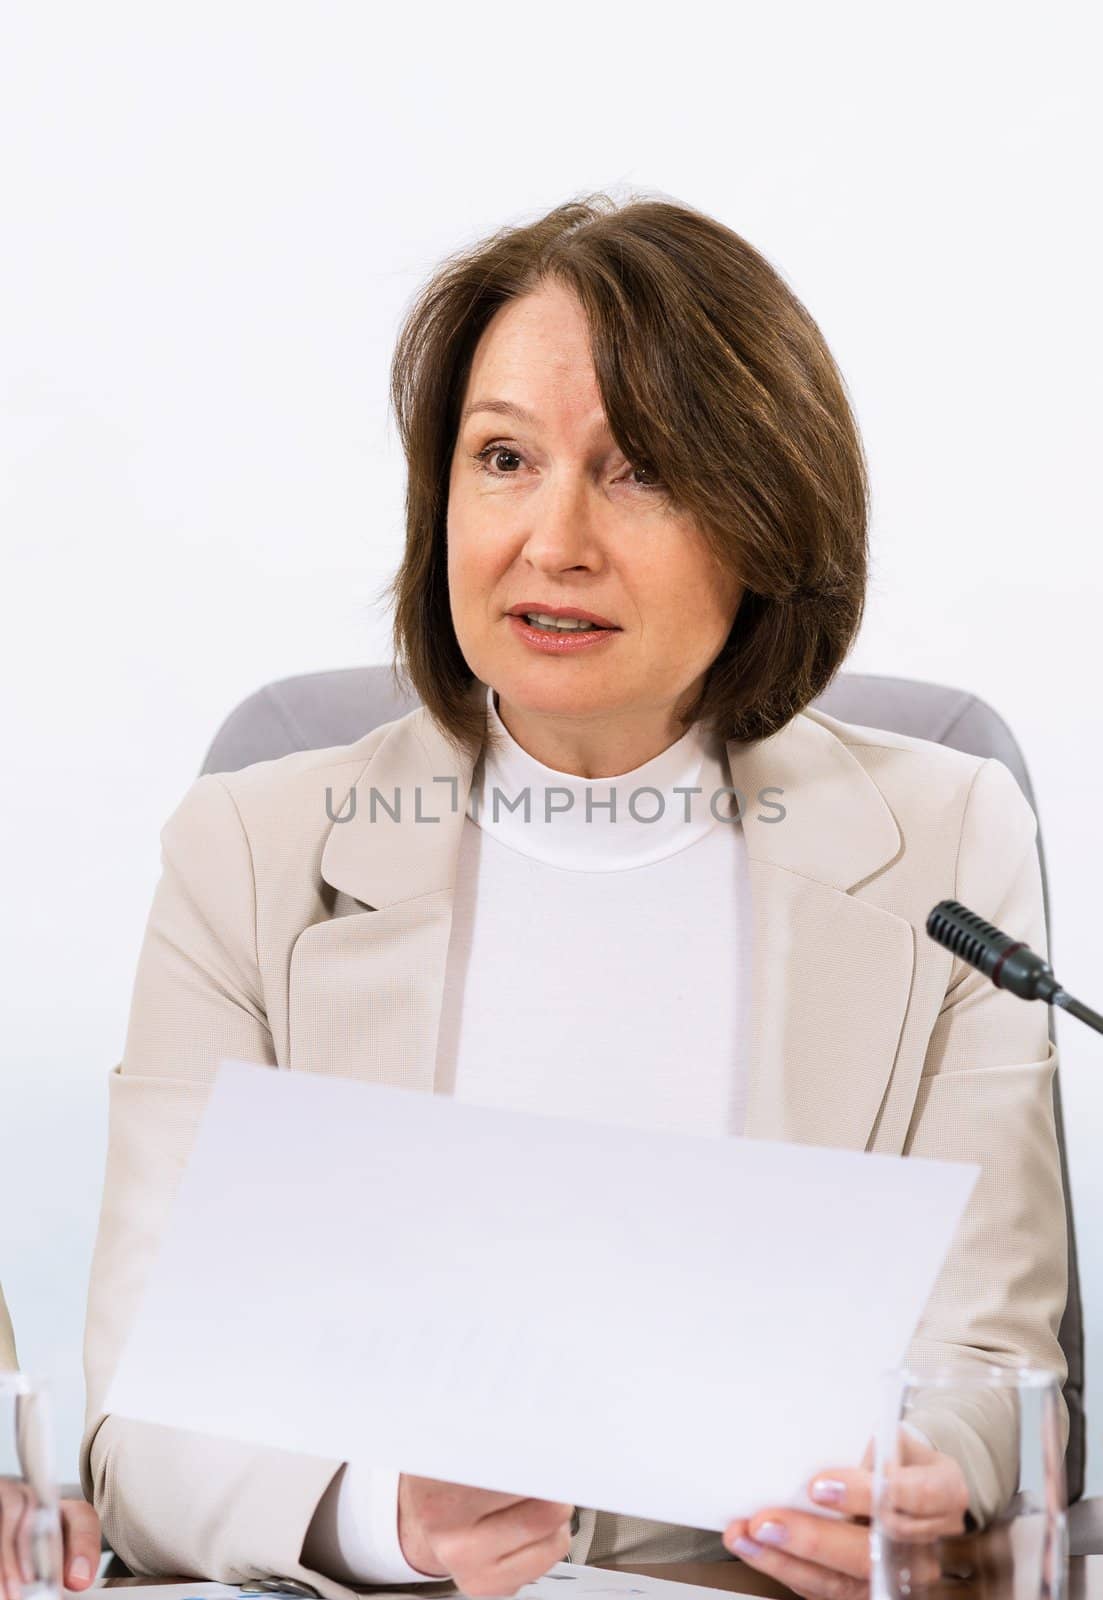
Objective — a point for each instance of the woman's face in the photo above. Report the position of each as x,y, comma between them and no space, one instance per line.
546,514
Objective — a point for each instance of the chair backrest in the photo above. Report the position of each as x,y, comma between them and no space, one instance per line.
321,709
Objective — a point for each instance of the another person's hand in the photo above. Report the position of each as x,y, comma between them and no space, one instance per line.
487,1543
824,1559
80,1528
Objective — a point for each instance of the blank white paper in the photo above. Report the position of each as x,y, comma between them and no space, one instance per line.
670,1326
564,1581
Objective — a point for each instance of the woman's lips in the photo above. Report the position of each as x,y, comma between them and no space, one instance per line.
563,643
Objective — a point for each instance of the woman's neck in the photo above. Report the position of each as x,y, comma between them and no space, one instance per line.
597,747
633,817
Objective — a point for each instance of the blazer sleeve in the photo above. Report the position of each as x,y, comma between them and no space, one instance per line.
174,1502
8,1360
986,1096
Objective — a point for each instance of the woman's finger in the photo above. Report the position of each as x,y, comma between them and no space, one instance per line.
80,1528
846,1489
817,1582
843,1547
24,1534
13,1504
914,1530
803,1577
928,1501
937,1492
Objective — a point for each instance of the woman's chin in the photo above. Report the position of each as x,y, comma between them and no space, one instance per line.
550,699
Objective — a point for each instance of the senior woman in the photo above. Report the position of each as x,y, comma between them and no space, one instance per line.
635,553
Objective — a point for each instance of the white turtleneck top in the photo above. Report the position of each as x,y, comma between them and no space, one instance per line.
598,967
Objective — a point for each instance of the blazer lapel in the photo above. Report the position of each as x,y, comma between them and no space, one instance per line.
366,985
830,973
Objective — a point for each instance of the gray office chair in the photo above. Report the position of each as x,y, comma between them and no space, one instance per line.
333,708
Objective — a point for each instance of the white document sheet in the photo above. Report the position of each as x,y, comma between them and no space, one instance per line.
665,1325
564,1581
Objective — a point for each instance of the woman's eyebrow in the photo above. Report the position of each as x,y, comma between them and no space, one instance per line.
509,408
505,408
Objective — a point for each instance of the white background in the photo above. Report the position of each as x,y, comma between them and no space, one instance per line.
213,217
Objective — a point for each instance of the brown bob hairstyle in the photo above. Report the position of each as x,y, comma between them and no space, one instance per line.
713,374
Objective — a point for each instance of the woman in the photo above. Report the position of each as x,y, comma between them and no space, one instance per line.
618,417
80,1528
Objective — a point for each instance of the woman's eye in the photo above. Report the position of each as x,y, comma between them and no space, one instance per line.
494,452
500,461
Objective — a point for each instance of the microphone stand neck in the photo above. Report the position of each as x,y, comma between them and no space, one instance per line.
1076,1008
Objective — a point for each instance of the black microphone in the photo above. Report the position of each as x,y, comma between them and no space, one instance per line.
1009,963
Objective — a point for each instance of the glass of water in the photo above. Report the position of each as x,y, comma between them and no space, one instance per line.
1006,1422
30,1521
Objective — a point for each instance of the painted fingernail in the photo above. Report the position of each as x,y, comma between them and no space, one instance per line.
772,1533
829,1491
745,1547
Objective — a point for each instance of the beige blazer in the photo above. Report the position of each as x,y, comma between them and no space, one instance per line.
8,1359
278,935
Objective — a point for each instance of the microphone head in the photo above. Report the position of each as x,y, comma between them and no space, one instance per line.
968,936
1008,962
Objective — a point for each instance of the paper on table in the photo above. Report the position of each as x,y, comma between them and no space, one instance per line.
562,1582
670,1326
167,1591
565,1581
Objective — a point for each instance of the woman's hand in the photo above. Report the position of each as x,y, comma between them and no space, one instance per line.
487,1543
824,1559
80,1530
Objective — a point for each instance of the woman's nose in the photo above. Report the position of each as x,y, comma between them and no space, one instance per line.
562,526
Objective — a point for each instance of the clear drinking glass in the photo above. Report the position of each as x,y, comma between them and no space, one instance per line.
1021,1550
30,1522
